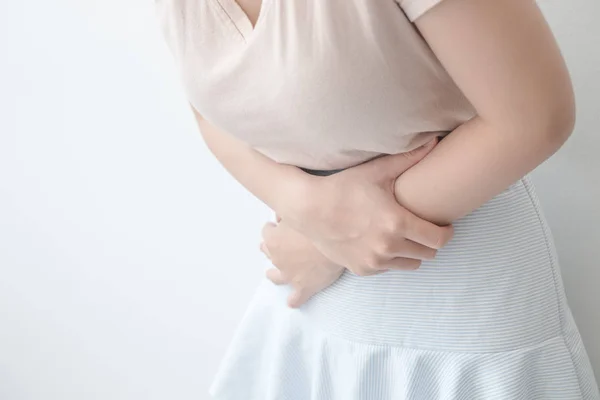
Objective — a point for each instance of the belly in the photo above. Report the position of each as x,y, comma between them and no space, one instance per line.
491,288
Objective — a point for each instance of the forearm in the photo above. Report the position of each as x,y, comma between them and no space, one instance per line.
269,181
504,58
474,163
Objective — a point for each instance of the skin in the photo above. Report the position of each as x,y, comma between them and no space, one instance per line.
251,8
504,58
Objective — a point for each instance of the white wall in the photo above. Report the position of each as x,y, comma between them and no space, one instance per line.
127,254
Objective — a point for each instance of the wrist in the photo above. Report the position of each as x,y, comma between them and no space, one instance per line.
293,196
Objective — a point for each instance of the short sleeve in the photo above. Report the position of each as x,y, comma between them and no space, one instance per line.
415,8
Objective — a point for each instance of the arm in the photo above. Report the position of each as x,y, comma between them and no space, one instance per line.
351,217
503,56
274,184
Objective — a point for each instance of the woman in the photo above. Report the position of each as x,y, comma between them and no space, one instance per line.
402,268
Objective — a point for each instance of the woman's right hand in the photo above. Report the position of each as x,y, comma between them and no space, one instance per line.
352,217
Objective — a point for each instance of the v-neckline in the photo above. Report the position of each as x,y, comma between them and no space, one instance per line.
239,17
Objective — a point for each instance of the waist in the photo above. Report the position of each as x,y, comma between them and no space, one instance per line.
327,172
489,289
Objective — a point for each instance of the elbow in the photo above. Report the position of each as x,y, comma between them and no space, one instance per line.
560,123
550,121
543,112
559,113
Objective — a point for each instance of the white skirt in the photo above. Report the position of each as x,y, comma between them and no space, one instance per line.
487,319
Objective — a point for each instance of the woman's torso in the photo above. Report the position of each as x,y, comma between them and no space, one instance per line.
317,84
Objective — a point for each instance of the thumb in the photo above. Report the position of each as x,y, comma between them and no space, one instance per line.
298,297
393,165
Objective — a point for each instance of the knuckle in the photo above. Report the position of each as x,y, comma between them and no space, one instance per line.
279,274
389,222
448,236
430,254
298,283
270,237
383,246
265,230
266,241
270,277
444,236
408,264
362,272
280,266
276,278
398,223
439,242
373,261
414,264
412,155
287,279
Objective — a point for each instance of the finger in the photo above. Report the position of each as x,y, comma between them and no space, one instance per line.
371,271
391,166
409,249
298,297
402,263
426,233
267,230
265,250
275,276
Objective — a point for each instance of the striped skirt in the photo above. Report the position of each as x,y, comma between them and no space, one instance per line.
486,319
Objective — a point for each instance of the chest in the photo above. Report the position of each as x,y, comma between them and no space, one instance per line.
251,8
272,71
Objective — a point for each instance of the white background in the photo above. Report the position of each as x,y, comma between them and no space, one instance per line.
127,254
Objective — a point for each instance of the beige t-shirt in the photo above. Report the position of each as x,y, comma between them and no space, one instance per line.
321,84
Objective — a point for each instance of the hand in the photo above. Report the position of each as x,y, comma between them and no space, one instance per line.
353,219
298,263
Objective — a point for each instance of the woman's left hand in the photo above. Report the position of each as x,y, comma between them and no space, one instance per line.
297,262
